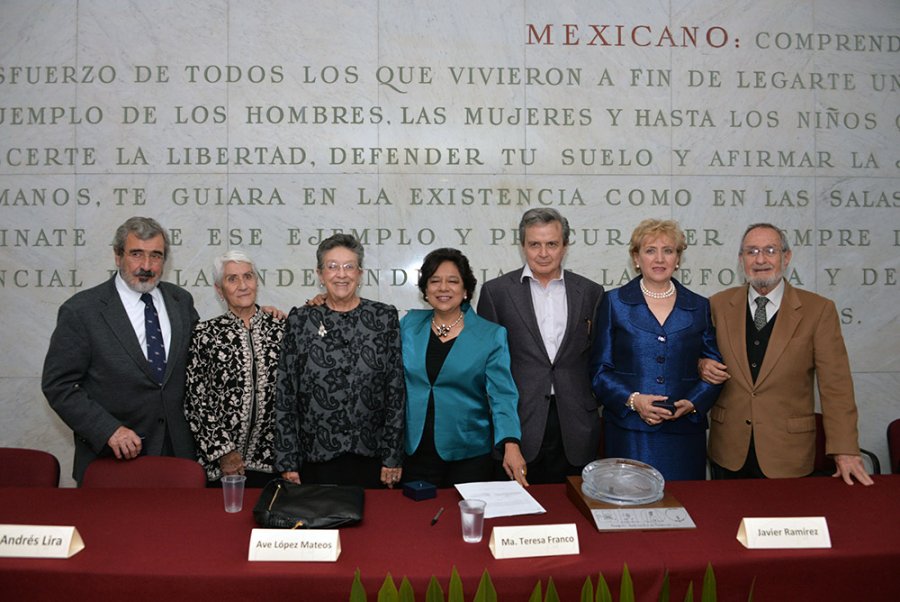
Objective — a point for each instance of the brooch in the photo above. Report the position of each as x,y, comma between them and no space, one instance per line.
322,331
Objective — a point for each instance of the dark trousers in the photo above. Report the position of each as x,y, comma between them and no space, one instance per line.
346,469
428,466
551,465
750,469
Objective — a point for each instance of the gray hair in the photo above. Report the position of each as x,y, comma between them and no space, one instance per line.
144,228
339,240
543,215
785,245
233,256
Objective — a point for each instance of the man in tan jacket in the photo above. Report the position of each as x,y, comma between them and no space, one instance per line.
763,424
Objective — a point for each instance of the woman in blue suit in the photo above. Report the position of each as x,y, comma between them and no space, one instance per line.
649,335
461,397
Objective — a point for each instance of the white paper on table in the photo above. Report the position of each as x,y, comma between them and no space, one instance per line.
503,498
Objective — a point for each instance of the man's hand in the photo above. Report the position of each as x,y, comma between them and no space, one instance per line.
291,475
850,466
713,372
125,443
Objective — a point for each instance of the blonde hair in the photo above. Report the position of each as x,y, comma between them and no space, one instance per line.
655,228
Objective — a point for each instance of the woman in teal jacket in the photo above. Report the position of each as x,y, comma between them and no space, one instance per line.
461,397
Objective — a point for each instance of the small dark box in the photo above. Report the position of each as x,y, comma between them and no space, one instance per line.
419,490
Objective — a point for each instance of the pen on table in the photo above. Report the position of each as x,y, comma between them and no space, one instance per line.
437,516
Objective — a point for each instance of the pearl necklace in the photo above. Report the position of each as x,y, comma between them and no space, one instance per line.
443,330
653,295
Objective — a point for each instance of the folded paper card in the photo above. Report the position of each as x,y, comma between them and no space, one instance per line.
792,532
300,545
39,541
530,541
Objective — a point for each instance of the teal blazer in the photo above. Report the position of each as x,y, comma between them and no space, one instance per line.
473,394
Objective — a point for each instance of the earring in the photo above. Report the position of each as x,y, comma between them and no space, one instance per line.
425,297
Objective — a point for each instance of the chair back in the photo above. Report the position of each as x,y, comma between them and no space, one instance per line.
28,468
893,436
144,471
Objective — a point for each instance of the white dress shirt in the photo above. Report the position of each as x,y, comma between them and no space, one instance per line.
550,309
774,296
134,307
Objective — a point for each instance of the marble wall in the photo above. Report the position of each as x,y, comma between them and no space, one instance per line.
268,125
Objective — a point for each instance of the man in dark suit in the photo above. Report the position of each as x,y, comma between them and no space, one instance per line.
97,375
547,313
776,342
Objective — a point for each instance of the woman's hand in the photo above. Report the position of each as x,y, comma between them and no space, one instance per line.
390,476
232,463
514,464
649,413
317,300
292,476
274,312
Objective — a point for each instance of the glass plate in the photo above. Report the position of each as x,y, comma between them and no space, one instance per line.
622,481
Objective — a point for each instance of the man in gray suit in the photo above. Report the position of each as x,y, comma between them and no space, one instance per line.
548,314
97,375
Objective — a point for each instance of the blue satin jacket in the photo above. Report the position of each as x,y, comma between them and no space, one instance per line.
633,352
475,397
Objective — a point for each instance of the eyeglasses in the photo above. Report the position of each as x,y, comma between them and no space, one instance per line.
155,256
333,266
769,251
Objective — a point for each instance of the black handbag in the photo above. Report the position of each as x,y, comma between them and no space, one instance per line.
286,505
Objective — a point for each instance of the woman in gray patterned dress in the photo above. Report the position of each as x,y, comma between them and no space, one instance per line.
341,396
231,378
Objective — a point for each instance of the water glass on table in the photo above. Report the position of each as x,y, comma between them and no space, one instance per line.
471,513
233,491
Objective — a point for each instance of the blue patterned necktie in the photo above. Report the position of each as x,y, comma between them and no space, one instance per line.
759,317
156,350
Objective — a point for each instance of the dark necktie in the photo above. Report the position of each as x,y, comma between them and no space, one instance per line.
759,317
156,350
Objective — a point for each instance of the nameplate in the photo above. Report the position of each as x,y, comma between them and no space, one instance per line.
784,532
39,541
534,540
294,545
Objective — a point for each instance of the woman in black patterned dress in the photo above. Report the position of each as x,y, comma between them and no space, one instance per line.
231,378
340,395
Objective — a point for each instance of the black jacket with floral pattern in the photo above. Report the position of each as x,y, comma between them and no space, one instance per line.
231,389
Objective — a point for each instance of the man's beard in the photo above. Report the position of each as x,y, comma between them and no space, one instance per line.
134,280
765,282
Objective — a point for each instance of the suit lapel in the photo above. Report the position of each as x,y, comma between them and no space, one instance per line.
639,313
735,327
788,319
574,301
116,318
520,295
